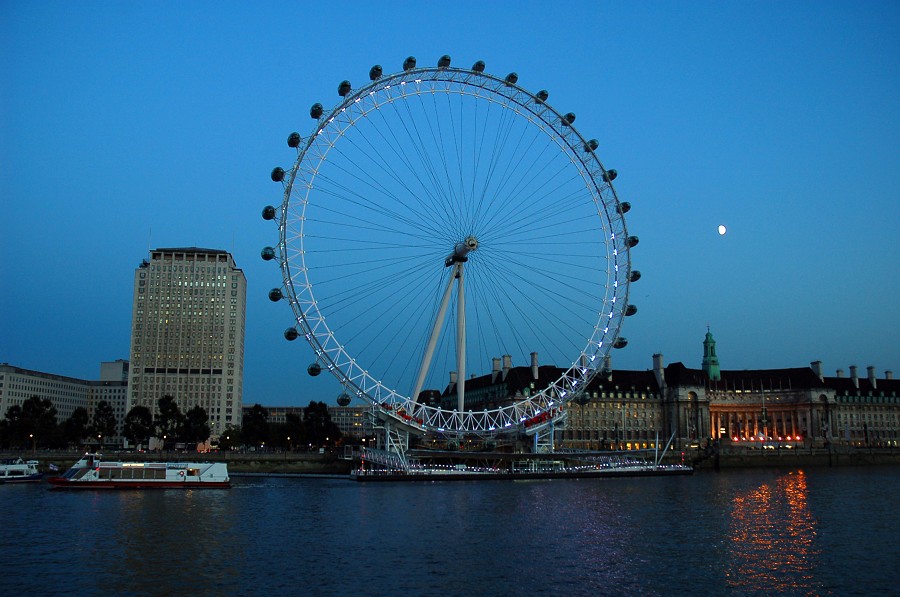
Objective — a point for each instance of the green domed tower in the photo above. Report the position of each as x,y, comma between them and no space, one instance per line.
710,360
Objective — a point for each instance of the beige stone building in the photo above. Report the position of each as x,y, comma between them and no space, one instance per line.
187,333
633,410
797,407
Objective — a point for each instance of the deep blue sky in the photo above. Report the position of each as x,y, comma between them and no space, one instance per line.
125,126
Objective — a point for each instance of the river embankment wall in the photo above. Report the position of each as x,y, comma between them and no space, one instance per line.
312,463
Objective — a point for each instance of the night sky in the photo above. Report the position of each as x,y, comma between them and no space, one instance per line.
130,126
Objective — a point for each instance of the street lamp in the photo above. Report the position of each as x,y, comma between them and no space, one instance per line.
33,442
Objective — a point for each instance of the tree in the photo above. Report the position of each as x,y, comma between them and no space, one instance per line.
288,434
168,419
229,438
38,421
138,425
104,424
319,427
294,429
12,426
195,426
75,428
256,426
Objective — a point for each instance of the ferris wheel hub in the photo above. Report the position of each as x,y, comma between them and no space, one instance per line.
461,251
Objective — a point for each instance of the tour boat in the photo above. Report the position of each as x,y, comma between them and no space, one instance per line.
16,470
92,472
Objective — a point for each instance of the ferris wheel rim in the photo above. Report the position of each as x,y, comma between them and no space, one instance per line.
354,376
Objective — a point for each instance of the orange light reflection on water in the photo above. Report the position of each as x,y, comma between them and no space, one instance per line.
772,538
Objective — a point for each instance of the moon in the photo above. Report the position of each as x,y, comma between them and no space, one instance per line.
722,230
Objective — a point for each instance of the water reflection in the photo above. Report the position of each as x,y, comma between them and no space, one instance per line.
753,532
772,538
162,541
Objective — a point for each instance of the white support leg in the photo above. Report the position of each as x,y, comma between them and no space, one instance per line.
460,340
435,333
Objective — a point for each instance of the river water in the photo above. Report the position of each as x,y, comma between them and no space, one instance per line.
742,532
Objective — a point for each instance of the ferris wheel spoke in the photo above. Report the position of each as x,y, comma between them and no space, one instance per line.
378,322
436,128
439,200
524,320
498,150
378,157
545,282
574,297
501,198
539,204
362,203
458,143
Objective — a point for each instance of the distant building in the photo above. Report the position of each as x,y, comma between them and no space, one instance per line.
18,385
621,410
112,388
278,414
629,410
353,421
187,333
798,406
68,393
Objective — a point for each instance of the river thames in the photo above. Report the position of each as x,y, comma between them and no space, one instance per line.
815,531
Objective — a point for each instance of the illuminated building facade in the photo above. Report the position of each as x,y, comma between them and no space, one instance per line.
187,333
747,408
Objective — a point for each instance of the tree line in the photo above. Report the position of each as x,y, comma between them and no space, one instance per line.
33,425
314,430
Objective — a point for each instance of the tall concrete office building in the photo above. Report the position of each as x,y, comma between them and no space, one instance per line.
187,333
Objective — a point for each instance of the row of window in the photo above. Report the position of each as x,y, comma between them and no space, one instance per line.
158,268
856,399
188,283
868,418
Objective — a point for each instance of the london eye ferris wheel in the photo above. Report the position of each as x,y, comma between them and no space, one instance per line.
438,219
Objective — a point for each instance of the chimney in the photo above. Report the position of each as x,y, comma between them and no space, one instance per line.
606,369
889,375
854,376
839,373
495,369
507,365
452,380
659,370
534,366
871,371
816,366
